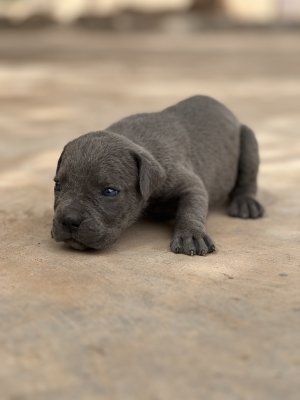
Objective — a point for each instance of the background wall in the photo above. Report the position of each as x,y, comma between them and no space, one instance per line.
242,11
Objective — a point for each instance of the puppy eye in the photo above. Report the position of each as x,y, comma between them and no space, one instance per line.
110,192
57,186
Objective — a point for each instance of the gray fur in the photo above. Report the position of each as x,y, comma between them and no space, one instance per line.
175,162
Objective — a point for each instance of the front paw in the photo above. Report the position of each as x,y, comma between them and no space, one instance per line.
245,207
192,243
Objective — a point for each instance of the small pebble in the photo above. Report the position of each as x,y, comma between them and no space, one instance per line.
228,276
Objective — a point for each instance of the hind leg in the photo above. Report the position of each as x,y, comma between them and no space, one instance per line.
243,203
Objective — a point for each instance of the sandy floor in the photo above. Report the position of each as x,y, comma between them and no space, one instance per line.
136,321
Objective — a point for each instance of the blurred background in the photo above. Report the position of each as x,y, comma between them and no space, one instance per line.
72,66
159,14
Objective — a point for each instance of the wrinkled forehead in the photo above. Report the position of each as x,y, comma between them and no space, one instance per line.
97,160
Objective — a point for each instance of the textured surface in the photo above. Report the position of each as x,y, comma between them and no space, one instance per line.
136,321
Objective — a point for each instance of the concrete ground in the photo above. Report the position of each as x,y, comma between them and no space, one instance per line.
136,321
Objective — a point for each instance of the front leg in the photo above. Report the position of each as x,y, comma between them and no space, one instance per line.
190,234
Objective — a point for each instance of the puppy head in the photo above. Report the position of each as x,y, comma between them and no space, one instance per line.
102,183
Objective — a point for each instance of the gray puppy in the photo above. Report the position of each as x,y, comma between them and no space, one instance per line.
175,162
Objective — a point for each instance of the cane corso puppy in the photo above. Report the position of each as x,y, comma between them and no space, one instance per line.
173,163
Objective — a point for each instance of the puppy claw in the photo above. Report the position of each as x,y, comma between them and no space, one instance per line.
192,243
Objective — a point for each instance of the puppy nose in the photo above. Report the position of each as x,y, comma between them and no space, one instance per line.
71,221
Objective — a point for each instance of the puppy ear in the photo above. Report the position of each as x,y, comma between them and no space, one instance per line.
151,173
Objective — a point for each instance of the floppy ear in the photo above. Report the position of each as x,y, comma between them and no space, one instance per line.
151,173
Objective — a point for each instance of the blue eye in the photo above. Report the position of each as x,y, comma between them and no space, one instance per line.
57,186
110,192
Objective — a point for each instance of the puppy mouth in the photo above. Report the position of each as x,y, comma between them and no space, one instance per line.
75,244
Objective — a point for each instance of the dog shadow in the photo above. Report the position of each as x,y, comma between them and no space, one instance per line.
151,233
